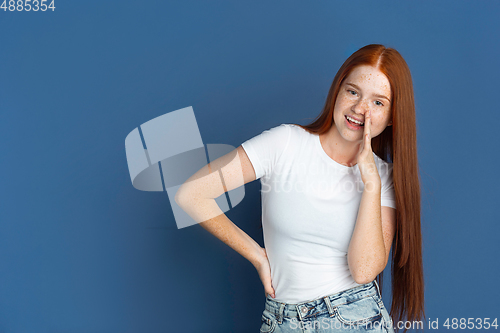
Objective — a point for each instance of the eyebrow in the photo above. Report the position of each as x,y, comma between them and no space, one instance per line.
376,95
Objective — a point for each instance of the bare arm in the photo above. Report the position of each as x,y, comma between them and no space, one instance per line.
197,197
375,225
372,237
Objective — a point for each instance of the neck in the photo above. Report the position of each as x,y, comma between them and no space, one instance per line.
340,150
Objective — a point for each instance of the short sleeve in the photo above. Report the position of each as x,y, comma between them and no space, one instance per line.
265,149
387,192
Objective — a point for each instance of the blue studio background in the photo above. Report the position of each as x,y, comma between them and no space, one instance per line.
81,250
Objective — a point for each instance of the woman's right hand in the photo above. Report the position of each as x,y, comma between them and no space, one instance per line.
264,270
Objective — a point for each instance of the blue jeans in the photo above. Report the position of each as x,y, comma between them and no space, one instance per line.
358,309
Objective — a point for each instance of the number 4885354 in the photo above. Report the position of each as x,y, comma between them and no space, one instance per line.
27,5
470,323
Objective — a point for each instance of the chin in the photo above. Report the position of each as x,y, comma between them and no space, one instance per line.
352,138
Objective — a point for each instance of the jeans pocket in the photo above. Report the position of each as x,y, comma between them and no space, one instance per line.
268,322
360,312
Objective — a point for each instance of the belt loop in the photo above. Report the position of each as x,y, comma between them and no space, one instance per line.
279,316
376,284
329,306
299,308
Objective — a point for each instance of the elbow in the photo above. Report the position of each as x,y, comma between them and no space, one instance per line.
186,197
363,278
366,274
179,197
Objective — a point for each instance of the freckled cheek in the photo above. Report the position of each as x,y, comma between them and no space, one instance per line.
342,103
376,117
376,121
345,99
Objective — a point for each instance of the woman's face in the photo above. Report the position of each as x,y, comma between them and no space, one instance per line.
364,89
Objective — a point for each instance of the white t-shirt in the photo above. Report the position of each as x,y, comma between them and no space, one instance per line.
309,209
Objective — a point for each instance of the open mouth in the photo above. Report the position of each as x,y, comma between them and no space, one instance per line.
354,122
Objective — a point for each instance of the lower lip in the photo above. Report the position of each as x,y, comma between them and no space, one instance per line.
352,126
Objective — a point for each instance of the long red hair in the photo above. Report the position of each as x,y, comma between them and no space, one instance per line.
396,144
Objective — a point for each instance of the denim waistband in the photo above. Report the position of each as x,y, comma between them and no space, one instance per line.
311,308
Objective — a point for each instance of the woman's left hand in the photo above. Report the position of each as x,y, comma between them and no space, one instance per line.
365,160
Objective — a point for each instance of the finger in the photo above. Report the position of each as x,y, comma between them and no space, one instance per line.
270,290
268,286
368,122
362,146
368,128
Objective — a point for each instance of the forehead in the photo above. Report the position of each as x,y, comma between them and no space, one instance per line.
369,78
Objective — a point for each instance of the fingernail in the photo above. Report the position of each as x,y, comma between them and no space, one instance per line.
272,295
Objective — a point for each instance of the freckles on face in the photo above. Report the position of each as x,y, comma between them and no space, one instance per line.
344,99
365,89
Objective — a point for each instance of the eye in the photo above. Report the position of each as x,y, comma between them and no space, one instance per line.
380,103
351,91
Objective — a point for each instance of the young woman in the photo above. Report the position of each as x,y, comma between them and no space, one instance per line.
336,194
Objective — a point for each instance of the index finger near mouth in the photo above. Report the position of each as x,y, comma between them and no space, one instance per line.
368,123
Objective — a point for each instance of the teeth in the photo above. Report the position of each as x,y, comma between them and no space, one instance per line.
354,120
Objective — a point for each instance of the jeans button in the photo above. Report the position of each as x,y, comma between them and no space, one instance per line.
304,310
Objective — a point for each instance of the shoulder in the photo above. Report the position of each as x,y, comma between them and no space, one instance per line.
296,130
282,128
278,132
283,133
286,130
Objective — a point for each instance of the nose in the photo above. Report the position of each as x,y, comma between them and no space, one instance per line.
361,107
